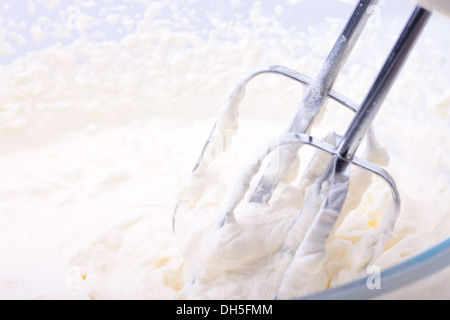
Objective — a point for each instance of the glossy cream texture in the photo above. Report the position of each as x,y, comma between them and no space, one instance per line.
99,138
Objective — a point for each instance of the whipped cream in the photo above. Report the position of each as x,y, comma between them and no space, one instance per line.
99,138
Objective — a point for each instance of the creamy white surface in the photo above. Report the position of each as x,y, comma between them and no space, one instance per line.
98,138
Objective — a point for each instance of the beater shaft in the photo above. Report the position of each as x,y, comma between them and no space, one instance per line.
382,85
317,93
337,174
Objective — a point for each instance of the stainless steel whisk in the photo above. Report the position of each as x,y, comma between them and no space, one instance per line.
336,177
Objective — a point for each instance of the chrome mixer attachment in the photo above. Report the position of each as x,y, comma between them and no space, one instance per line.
334,181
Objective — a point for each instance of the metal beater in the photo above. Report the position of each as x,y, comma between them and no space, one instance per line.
336,177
